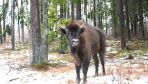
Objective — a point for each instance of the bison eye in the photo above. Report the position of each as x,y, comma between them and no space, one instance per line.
82,30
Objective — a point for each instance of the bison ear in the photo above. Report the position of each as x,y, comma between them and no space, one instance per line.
82,30
63,30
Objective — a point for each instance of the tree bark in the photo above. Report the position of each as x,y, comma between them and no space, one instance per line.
4,36
36,34
18,21
134,18
45,32
127,20
94,7
1,39
22,20
99,15
122,25
72,10
78,10
39,39
85,9
141,25
22,27
61,11
13,26
68,9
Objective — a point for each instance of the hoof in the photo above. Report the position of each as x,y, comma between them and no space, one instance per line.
104,74
96,74
78,81
84,81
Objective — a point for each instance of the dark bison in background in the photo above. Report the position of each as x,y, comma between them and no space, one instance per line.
85,41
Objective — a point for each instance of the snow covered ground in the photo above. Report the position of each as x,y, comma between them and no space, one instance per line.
15,69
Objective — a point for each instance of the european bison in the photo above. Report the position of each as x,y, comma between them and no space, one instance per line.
85,41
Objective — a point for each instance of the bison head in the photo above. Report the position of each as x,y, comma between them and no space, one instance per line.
73,32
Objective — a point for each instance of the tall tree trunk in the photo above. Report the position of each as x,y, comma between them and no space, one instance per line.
64,10
1,39
135,17
39,40
72,10
18,24
22,26
122,25
4,36
61,11
85,9
98,11
132,29
36,33
127,20
78,10
61,16
135,24
41,12
99,14
13,26
106,23
45,32
90,10
22,20
114,17
68,9
141,25
94,7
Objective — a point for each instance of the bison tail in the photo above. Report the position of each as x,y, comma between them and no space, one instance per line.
102,42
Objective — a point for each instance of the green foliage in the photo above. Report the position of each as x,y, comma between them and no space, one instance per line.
146,8
7,30
123,53
54,24
76,1
59,1
55,33
90,15
64,43
51,36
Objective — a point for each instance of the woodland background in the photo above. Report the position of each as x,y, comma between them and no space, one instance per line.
30,36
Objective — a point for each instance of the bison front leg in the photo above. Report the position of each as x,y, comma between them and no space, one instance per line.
78,67
85,66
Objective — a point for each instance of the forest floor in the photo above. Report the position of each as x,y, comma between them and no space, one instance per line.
122,66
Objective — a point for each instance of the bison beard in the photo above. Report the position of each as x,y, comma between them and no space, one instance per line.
91,41
76,59
74,53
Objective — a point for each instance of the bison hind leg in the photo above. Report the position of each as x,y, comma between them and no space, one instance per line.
96,63
101,55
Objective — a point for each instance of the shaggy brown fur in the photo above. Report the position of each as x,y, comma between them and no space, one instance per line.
91,41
